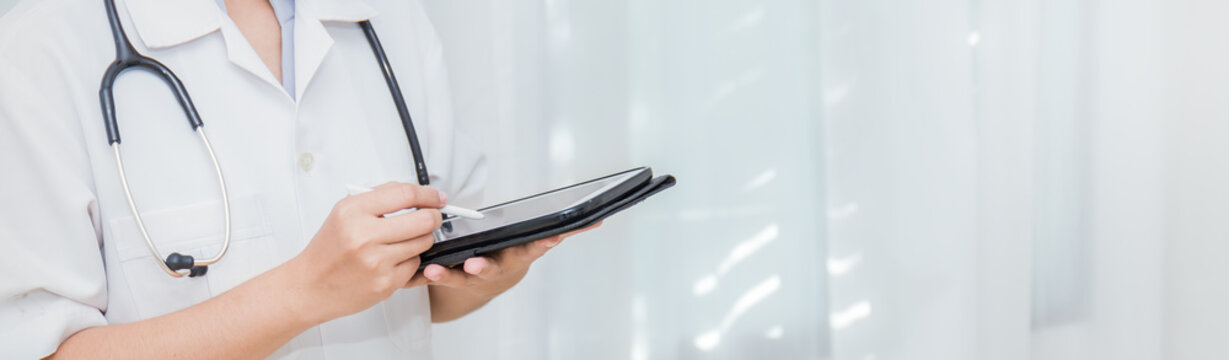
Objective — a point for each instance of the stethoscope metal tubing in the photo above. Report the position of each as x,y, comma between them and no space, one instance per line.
136,213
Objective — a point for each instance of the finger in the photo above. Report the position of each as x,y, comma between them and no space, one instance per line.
523,255
410,225
391,197
538,248
417,280
483,267
433,271
404,271
440,275
548,243
405,250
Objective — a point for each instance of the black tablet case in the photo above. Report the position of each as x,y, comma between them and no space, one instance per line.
458,256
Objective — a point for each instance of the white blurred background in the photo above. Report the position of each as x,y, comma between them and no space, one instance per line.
871,179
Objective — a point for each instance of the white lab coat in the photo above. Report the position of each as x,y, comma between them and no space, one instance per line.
70,254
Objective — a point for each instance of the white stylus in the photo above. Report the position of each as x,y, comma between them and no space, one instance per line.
446,210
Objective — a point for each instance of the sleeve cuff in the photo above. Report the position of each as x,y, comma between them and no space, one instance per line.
36,323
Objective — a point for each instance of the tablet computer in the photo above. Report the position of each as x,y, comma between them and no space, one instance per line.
543,215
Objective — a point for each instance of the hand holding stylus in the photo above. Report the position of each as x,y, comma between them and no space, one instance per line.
360,257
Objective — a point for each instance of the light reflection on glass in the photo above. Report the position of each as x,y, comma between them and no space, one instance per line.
704,285
740,252
974,38
842,319
748,247
838,267
752,297
640,320
560,26
775,332
638,116
562,145
760,180
835,96
709,339
728,88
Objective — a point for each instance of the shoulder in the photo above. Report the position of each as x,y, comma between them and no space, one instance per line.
54,50
399,7
52,56
40,38
36,22
411,15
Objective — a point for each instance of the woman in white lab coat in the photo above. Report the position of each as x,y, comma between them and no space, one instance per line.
296,110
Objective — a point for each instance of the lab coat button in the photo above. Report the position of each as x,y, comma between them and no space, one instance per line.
306,161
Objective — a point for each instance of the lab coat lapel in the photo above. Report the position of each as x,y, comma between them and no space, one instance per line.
242,55
312,41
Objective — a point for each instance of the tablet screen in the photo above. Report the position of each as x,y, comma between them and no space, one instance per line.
531,207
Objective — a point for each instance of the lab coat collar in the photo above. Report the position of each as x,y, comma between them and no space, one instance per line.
337,10
166,23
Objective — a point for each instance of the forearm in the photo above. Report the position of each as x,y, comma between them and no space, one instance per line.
357,259
448,304
250,321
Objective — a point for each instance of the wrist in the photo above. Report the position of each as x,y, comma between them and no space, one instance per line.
448,304
295,292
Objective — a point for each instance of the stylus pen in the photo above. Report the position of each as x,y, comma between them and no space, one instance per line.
446,210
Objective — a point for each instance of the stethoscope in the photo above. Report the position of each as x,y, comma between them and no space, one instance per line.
126,57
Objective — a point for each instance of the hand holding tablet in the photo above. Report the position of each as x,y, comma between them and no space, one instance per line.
541,216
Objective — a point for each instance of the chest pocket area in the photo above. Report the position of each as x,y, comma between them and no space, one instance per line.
197,230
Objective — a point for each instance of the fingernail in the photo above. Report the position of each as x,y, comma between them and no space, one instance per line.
551,243
435,277
443,198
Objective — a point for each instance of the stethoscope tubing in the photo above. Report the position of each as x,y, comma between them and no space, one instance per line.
394,90
126,57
